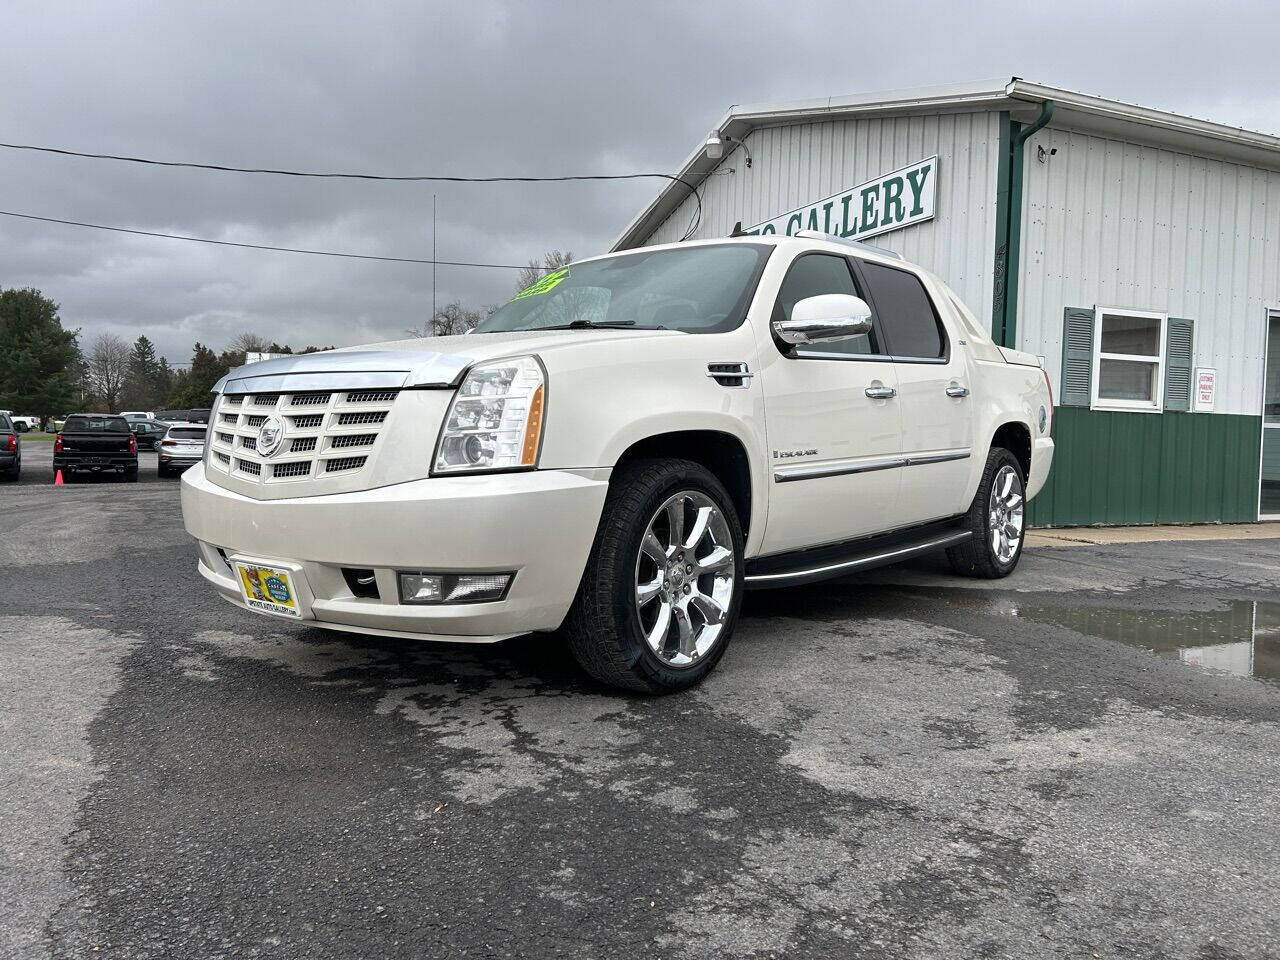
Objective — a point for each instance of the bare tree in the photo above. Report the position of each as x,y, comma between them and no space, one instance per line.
108,367
450,320
552,260
248,342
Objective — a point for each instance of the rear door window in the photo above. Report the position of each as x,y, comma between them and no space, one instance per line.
814,274
904,312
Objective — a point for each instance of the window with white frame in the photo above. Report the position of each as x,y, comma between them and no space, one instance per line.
1128,360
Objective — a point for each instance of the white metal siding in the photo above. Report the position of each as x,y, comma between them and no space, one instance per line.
798,164
1106,222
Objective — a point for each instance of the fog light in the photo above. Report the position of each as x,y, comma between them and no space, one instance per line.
418,587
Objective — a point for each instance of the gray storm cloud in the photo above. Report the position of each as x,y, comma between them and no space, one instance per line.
472,89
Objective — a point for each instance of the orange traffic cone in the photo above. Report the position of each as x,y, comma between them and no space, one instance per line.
57,479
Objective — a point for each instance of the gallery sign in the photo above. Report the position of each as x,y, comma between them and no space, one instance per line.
889,202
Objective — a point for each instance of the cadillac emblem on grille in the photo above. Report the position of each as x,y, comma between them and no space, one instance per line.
270,436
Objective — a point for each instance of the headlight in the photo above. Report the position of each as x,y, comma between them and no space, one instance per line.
495,419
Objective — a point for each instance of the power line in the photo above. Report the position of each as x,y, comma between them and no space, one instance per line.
695,221
263,246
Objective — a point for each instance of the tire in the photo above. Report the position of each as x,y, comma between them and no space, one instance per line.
608,625
161,471
131,476
984,555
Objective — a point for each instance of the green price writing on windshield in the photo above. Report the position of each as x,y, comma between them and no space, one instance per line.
545,285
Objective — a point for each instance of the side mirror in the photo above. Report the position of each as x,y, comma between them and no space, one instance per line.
829,316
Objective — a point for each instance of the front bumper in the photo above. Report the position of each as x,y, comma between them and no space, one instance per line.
541,524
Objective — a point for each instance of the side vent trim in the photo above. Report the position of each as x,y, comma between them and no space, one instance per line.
731,373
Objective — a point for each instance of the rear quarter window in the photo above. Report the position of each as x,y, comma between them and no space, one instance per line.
905,311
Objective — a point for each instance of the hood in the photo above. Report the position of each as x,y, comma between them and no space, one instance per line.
419,362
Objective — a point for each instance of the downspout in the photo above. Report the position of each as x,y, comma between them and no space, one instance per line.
1005,323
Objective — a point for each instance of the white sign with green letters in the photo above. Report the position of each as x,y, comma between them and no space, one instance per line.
889,202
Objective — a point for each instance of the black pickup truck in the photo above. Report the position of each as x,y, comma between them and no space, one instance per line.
95,443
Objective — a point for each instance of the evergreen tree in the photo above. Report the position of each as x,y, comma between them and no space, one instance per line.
36,355
145,383
191,388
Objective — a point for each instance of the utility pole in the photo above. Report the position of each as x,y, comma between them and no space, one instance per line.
433,261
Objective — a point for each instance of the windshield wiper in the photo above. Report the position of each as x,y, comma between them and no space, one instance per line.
601,324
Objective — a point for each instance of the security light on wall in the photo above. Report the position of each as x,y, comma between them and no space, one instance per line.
717,143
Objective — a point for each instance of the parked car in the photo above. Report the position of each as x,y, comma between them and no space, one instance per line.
137,414
621,450
182,446
148,432
21,424
10,450
95,443
200,415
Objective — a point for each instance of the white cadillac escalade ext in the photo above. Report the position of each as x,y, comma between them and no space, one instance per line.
621,450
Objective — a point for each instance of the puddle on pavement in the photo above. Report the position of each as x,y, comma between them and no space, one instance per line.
1243,640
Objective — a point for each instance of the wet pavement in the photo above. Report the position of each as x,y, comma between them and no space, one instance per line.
903,765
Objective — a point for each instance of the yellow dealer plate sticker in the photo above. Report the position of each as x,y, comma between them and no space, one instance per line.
545,285
268,589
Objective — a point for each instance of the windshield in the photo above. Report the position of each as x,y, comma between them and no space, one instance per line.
186,433
95,425
695,289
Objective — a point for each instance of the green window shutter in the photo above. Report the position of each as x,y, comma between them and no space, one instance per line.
1177,364
1077,357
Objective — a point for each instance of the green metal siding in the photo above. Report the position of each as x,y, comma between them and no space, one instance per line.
1121,468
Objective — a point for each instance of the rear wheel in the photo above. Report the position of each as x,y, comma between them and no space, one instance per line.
997,520
131,475
661,592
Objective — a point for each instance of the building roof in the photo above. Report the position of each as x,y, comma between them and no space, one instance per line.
1021,98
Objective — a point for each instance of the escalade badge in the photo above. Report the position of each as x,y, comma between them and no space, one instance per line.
270,435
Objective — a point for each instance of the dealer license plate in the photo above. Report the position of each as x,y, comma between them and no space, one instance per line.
269,589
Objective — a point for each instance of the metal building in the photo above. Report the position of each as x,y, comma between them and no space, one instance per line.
1137,252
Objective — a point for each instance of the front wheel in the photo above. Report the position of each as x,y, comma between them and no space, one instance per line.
661,591
997,520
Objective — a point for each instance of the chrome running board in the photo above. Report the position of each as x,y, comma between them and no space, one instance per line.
810,566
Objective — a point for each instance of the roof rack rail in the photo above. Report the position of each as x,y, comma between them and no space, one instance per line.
856,244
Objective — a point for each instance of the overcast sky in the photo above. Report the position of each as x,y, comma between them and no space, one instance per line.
476,89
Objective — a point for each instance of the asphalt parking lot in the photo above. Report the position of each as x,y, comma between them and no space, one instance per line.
904,765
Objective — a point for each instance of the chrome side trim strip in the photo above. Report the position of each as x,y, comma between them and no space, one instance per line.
872,560
937,458
802,471
811,472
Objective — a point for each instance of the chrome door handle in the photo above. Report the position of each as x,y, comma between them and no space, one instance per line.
955,390
881,392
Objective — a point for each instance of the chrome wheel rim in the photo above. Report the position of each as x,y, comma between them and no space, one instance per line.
685,578
1005,514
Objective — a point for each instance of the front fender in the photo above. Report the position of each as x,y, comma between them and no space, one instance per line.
599,406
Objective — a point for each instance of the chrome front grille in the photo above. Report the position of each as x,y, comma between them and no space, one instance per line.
322,431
